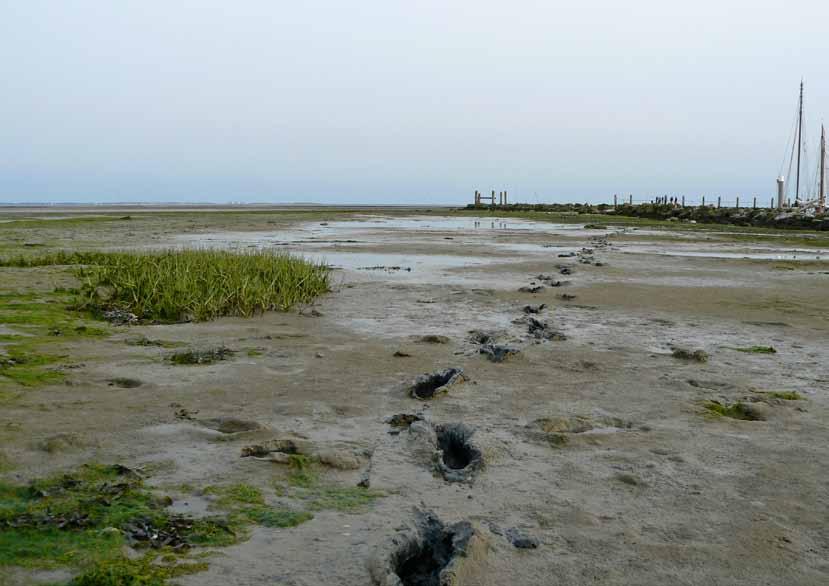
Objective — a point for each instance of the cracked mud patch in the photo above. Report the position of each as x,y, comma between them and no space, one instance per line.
427,553
427,386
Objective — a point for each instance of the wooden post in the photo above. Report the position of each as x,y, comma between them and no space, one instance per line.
631,199
738,202
771,204
754,205
703,201
505,197
719,200
614,200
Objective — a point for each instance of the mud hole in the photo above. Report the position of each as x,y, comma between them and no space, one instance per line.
427,386
458,458
430,553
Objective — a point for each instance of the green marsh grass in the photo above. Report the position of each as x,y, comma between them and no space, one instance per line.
182,285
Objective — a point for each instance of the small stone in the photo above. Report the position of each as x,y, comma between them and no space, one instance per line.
520,539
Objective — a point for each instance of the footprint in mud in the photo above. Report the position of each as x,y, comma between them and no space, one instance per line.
230,426
427,386
447,449
124,383
427,553
458,459
559,431
433,339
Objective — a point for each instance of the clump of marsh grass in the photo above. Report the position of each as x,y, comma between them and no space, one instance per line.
685,354
60,257
183,285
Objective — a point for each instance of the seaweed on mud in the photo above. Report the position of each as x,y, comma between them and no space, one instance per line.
426,386
403,419
738,410
458,458
84,518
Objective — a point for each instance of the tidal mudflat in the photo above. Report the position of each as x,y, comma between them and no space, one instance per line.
476,400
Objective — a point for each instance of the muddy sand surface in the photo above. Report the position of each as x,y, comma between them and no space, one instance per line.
592,439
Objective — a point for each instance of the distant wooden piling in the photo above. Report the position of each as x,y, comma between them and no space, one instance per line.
719,200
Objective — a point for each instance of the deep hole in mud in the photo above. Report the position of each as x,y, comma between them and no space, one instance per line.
424,568
456,453
459,458
428,385
427,559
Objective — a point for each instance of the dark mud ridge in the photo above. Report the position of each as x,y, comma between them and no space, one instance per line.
457,458
428,553
497,353
426,386
541,331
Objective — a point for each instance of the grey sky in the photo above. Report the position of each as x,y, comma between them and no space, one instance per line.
384,101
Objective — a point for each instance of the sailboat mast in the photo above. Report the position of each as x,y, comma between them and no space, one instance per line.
799,143
821,202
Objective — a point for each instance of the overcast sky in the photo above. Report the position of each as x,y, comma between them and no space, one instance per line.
397,102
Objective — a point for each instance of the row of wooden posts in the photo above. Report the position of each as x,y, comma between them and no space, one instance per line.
663,200
680,201
502,198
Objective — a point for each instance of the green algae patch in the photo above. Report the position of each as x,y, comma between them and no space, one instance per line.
36,326
785,395
304,484
246,504
738,410
147,571
84,519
